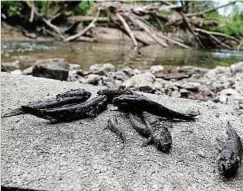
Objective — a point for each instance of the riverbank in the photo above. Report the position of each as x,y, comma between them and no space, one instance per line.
81,155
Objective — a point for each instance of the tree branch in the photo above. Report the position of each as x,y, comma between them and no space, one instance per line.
70,38
127,29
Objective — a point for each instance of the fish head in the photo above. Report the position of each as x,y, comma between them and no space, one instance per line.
228,163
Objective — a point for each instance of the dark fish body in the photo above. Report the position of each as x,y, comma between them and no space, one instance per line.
157,133
74,93
114,127
111,93
139,125
89,108
161,138
72,96
229,159
138,103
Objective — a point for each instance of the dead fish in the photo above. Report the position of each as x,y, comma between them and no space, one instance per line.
230,156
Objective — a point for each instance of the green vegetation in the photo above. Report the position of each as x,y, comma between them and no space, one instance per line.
11,7
45,7
230,25
84,7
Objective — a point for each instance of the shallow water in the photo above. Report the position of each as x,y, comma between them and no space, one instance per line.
86,54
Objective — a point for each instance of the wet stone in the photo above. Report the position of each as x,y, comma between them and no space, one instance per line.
56,68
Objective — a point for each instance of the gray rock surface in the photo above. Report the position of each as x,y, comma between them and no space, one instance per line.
91,79
81,155
56,68
155,69
102,69
142,82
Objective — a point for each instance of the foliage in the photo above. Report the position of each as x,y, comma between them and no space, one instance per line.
84,7
11,8
229,25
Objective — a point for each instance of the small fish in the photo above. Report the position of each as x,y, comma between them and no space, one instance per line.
229,159
73,96
89,108
114,127
111,93
138,123
139,103
156,133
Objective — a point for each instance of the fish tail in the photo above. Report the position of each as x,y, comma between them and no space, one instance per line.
33,111
15,112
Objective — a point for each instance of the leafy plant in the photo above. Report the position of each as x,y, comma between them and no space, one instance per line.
84,7
11,7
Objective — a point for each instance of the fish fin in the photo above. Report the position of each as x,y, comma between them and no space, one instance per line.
147,142
14,112
220,143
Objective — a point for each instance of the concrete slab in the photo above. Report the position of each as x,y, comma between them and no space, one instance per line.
81,155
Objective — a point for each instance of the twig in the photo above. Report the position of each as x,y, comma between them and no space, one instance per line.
127,29
70,38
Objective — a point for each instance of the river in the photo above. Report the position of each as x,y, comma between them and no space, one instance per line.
86,54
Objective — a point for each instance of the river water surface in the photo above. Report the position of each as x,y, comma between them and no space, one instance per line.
86,54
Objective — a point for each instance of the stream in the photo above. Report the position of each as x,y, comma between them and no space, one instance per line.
86,54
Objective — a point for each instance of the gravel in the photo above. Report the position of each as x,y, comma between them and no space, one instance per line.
82,155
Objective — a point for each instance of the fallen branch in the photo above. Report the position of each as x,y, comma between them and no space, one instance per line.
173,41
88,19
86,39
144,43
91,25
216,34
219,42
48,23
148,31
131,35
240,45
210,34
32,15
190,29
